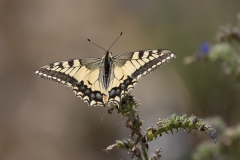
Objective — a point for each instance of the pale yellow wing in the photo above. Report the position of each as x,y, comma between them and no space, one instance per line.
82,75
129,67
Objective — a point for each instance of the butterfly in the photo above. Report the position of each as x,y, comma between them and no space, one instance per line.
99,81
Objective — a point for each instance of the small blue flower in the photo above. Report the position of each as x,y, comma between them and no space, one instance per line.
213,136
200,54
204,48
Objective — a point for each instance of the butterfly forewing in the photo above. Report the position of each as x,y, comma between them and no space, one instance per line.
85,76
60,72
140,63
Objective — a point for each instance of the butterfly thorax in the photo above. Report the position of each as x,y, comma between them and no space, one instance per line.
107,69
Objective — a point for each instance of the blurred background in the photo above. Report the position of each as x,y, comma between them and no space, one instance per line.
41,120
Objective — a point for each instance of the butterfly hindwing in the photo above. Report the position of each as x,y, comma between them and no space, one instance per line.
91,93
119,88
90,88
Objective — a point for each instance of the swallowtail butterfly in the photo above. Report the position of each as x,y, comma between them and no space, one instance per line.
99,81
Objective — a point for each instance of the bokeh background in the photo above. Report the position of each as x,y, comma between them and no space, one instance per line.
41,120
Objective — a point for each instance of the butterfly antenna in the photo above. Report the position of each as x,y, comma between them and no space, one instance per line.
115,41
97,45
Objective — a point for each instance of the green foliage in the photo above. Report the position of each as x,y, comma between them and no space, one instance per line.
137,143
226,50
228,145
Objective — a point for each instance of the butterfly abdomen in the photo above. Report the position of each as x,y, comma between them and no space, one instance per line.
107,67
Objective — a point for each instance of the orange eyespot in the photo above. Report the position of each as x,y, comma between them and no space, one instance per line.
105,99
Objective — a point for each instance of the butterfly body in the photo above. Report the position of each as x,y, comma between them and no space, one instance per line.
99,81
107,66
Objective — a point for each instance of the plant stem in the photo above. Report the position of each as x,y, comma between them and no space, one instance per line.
144,150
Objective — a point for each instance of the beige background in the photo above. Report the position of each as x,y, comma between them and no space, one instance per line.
41,120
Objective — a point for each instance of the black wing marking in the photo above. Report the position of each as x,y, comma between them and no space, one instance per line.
140,63
60,72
